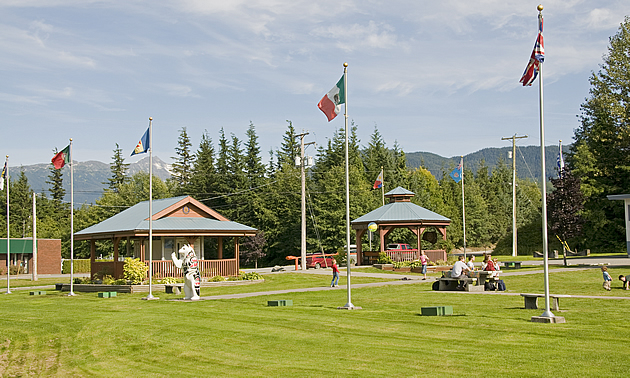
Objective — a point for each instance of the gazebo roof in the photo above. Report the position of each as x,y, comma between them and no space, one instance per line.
177,215
401,210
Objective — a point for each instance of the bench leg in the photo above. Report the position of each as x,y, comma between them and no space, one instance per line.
531,303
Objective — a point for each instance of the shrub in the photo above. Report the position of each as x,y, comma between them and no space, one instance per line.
120,281
217,279
384,259
79,265
135,270
249,276
170,280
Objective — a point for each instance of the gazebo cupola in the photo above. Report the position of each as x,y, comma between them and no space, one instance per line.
399,194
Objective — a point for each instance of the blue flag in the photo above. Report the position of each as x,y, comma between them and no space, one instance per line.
456,174
143,144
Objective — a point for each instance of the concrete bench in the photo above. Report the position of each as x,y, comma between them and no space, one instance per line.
512,264
173,288
531,300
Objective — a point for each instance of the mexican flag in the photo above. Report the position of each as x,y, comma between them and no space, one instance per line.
330,104
61,158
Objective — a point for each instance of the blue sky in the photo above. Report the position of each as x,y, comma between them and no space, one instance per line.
438,76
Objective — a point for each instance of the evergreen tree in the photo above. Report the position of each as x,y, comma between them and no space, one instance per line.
599,156
290,148
183,162
203,172
118,168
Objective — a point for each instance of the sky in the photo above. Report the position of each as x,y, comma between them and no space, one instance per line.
438,76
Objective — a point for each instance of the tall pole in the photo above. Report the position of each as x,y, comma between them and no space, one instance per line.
349,304
514,138
303,197
71,223
8,231
547,312
34,271
383,186
463,206
150,296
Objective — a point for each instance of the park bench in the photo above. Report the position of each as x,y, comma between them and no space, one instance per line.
531,300
512,264
173,288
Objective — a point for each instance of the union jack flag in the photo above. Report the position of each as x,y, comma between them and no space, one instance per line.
538,56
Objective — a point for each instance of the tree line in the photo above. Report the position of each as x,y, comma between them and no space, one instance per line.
232,178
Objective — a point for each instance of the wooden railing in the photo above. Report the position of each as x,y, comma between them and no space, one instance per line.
207,268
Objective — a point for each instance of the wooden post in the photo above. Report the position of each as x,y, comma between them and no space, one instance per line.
220,248
236,250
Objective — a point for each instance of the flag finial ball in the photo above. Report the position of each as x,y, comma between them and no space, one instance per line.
150,118
345,64
540,7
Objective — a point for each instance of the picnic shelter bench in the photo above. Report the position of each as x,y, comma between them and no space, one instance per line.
173,288
531,300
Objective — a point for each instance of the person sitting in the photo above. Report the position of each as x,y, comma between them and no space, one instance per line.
486,258
459,272
495,262
471,262
490,266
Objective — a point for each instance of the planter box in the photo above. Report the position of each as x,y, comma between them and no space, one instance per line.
403,269
384,266
438,268
93,288
418,269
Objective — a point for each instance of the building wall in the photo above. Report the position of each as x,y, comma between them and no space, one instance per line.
48,257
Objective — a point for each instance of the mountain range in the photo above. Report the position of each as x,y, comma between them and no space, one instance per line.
90,177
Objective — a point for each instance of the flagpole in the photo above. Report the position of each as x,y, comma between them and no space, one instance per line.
6,164
150,296
383,185
348,305
71,223
463,207
547,313
34,260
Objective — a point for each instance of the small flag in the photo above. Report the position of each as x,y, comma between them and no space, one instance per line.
4,176
560,162
143,144
330,104
456,174
379,181
61,158
537,57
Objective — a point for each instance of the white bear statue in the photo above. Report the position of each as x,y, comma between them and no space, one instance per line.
187,260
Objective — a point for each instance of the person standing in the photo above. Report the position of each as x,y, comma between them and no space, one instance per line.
424,260
607,278
335,279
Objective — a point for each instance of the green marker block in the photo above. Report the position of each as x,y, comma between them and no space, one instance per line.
281,302
104,294
437,311
112,294
37,293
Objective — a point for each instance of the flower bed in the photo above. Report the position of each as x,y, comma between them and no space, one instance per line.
93,288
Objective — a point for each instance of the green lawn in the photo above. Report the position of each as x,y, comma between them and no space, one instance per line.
489,335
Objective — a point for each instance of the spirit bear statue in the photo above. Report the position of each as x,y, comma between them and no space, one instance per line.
187,261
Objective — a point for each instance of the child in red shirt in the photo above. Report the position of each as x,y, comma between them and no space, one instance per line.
335,279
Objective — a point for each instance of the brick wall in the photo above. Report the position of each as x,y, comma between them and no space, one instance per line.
48,257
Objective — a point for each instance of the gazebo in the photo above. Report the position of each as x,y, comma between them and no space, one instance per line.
176,221
401,213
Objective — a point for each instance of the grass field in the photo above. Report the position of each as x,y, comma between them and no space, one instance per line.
488,335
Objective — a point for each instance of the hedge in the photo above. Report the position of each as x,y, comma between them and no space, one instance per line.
80,266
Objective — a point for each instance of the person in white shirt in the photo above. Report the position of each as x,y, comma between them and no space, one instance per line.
471,263
459,271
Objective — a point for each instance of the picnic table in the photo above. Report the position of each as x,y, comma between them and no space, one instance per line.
512,264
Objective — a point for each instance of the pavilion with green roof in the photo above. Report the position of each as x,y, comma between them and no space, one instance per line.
176,221
400,212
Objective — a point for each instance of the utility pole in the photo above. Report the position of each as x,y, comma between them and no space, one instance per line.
302,163
514,138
